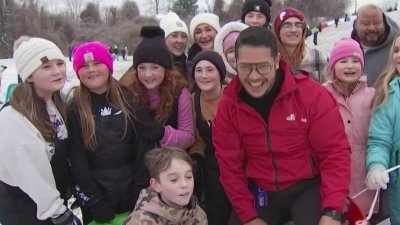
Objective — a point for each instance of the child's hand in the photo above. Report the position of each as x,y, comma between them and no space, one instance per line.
377,178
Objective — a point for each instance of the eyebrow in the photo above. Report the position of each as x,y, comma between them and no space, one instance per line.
176,173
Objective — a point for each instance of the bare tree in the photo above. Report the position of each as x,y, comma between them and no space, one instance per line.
157,5
74,9
129,10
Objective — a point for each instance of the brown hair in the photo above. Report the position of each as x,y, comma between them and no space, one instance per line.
382,83
26,101
160,159
296,58
170,87
115,97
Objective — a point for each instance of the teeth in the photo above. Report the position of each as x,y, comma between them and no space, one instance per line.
255,84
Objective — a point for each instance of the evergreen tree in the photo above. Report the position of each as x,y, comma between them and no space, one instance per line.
185,8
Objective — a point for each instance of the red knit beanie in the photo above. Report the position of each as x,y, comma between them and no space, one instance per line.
285,14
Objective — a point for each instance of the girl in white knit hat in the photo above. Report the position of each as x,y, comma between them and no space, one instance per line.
33,162
203,29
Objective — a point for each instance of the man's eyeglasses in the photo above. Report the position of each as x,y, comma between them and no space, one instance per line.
288,25
261,68
2,68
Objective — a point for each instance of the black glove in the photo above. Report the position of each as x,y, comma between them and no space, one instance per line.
149,130
68,218
101,212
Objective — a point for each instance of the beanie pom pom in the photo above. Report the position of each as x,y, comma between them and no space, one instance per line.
151,31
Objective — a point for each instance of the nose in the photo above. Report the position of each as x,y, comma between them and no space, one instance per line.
254,75
203,74
180,39
184,183
203,34
56,69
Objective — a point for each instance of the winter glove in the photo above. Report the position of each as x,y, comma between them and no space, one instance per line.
68,218
101,212
149,130
377,177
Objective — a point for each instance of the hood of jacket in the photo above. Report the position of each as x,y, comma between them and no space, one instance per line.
219,40
149,201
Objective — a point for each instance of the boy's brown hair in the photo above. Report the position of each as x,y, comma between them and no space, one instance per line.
159,160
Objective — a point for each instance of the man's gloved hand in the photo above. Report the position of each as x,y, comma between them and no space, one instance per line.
67,218
101,212
149,130
377,178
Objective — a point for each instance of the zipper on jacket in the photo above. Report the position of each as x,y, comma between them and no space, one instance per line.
276,178
313,165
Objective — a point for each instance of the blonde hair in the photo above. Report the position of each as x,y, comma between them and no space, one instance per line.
382,83
82,100
26,101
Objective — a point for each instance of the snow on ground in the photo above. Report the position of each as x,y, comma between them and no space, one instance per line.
330,35
326,39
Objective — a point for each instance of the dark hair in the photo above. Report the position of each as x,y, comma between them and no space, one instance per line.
160,159
257,37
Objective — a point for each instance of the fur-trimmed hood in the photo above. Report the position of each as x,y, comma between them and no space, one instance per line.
219,39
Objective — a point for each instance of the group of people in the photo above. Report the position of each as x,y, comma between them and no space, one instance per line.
251,127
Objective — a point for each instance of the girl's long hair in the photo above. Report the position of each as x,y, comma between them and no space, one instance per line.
82,100
170,88
382,83
296,58
26,101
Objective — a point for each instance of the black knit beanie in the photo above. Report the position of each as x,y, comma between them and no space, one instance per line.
152,48
212,57
262,6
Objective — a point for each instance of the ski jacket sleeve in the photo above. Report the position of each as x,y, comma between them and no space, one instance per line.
25,163
183,136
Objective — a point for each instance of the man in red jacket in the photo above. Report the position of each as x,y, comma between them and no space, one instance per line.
279,141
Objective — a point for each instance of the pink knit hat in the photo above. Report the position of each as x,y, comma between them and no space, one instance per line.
92,51
346,47
230,40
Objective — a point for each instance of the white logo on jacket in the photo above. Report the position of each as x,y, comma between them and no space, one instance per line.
291,117
106,111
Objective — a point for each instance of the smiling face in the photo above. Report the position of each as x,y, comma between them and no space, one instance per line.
348,70
291,32
396,54
48,78
176,43
207,76
256,84
204,36
94,75
150,75
175,184
369,26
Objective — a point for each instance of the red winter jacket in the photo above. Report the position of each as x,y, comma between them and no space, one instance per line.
304,137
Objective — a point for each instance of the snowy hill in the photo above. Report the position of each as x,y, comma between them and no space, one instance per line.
330,35
326,39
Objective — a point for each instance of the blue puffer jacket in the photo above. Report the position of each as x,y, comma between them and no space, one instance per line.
384,145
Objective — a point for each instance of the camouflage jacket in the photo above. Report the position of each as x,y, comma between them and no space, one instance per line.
150,210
